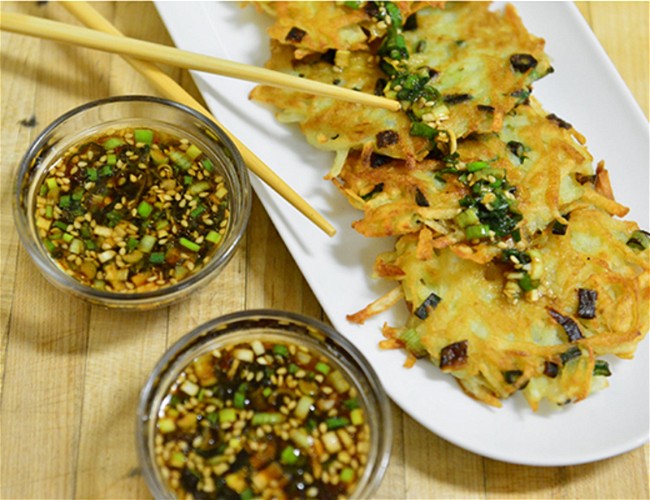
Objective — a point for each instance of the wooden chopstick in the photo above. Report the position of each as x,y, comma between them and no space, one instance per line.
168,88
107,42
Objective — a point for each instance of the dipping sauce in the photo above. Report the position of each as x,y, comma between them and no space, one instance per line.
262,419
132,210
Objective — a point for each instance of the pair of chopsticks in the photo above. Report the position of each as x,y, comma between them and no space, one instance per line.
140,55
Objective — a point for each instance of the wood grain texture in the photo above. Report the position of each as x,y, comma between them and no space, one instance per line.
70,373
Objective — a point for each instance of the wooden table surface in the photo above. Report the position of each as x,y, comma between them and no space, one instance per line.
71,373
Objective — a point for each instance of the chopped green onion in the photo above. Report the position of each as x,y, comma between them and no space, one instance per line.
49,212
67,237
144,209
91,173
131,243
227,415
180,159
303,407
467,218
49,245
157,257
337,422
412,342
351,404
322,367
280,350
143,135
213,237
346,475
477,231
105,171
207,164
146,243
420,129
239,400
213,418
111,159
356,416
197,211
77,246
289,456
247,494
112,143
61,225
190,245
192,151
52,184
166,425
157,156
267,418
475,166
198,187
527,283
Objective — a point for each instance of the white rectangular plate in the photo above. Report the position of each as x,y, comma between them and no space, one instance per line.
585,90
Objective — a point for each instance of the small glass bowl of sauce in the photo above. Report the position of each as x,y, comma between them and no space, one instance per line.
131,202
263,404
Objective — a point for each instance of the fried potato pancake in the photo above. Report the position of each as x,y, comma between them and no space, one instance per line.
540,156
333,125
485,61
515,270
482,64
316,27
548,348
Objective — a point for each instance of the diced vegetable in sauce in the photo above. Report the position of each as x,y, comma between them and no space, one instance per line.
132,210
262,420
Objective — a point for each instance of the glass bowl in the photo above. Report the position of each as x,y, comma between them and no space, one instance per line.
183,418
113,185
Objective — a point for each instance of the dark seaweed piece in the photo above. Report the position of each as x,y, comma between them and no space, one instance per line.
379,160
433,73
521,95
190,480
559,228
517,149
454,355
587,303
380,85
522,62
431,302
377,189
559,121
511,376
411,22
386,138
457,98
551,369
572,353
372,9
570,327
328,56
295,35
639,240
420,199
601,368
485,107
520,256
